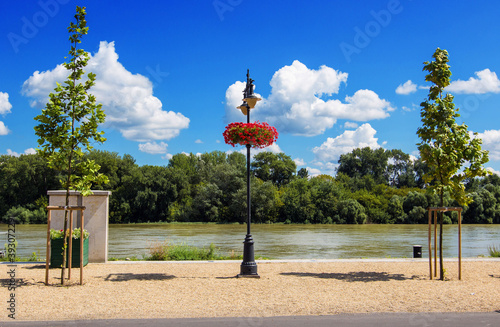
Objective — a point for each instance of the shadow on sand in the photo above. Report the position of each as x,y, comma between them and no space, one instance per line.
129,276
359,276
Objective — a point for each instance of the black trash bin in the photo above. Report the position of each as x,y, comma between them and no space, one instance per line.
417,251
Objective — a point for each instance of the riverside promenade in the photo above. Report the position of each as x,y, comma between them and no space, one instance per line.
395,292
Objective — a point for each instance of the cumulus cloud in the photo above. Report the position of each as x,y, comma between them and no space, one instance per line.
153,147
299,162
298,105
349,124
332,148
16,154
327,168
198,141
486,82
274,148
5,105
412,108
3,129
491,142
167,156
407,88
12,153
127,98
313,172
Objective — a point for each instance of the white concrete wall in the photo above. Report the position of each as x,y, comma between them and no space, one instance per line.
96,219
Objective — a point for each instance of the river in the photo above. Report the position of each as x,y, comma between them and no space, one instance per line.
280,241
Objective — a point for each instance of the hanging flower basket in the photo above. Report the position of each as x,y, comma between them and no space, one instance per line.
258,135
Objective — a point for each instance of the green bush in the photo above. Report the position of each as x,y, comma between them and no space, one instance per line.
22,215
177,252
494,251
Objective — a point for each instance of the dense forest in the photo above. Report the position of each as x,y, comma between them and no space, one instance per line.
371,186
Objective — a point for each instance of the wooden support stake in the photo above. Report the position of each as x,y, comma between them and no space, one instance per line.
47,257
70,241
81,248
435,211
435,243
430,243
460,245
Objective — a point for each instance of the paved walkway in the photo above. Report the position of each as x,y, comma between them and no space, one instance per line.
344,320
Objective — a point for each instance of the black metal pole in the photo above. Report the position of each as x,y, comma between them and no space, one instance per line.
248,267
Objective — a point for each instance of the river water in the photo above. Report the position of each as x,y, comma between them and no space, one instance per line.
279,241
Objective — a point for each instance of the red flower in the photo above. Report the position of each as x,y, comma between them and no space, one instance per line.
259,135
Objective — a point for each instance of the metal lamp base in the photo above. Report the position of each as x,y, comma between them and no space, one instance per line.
248,267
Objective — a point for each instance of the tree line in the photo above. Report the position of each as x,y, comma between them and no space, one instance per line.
371,186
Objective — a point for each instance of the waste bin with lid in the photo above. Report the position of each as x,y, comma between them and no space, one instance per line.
417,251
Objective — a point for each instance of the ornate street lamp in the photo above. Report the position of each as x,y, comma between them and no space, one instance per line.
248,267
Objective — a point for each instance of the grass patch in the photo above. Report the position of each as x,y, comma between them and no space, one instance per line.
32,258
177,252
494,251
132,258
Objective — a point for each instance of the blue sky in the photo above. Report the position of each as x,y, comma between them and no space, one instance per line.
333,75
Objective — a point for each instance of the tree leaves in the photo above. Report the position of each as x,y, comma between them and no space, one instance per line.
68,124
447,148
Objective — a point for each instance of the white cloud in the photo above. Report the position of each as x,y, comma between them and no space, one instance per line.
299,162
491,142
167,156
407,88
234,98
332,148
327,168
127,98
408,109
153,147
5,105
313,172
274,148
3,129
198,141
349,124
12,153
16,154
486,82
297,101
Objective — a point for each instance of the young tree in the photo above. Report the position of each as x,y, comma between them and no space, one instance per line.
451,154
68,124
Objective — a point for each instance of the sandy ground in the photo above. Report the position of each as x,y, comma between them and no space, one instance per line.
210,289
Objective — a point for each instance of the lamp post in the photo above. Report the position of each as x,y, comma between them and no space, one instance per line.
248,267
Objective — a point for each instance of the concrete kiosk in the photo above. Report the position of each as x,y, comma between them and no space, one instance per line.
96,219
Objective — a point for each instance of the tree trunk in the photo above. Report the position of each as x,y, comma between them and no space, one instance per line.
65,244
441,261
441,271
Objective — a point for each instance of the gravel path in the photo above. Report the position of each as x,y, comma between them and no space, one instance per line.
210,289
